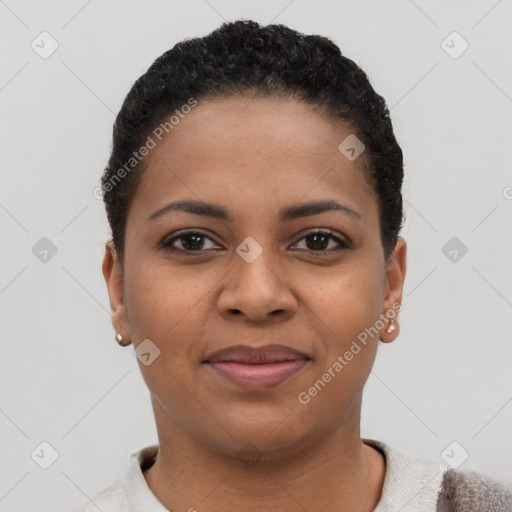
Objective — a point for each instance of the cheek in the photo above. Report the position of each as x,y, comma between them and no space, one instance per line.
345,301
347,310
163,301
163,304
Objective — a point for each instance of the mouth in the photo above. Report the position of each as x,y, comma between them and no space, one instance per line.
257,368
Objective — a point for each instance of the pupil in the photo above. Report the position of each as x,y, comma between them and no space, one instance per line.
316,237
319,241
196,241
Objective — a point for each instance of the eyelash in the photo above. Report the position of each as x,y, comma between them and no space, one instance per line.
167,244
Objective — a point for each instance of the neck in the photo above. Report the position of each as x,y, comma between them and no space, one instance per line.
337,472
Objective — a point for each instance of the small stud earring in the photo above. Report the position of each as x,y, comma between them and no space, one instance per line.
119,339
391,327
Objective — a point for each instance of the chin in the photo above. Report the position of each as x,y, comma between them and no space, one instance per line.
264,434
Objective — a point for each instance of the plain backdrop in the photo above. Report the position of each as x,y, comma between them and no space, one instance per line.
444,386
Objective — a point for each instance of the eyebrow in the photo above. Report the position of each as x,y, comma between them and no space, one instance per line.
285,215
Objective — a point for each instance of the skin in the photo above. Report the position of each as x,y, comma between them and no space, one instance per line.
255,156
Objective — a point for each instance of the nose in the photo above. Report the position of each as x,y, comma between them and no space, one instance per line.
256,292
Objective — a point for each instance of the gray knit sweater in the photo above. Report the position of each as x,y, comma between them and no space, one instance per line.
410,485
416,485
467,491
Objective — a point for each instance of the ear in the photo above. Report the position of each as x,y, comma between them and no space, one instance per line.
114,280
396,267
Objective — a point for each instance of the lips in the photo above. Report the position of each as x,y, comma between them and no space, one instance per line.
262,355
257,368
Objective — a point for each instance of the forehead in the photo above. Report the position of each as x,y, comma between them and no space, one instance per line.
253,151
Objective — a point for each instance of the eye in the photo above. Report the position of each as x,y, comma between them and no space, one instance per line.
318,241
190,241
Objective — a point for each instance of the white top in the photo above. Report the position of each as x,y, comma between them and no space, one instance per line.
410,485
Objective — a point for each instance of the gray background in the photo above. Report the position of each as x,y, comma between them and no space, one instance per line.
63,378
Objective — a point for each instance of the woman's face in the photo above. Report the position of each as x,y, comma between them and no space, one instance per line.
254,275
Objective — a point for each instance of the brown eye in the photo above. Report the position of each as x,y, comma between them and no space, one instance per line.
319,240
190,241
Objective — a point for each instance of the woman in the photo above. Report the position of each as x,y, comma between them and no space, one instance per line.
254,196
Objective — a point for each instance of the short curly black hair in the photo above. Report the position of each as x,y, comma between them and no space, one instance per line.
274,60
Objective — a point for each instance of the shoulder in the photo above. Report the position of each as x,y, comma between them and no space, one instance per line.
463,491
425,486
410,484
110,499
132,488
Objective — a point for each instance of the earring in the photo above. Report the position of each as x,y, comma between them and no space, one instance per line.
391,327
119,339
